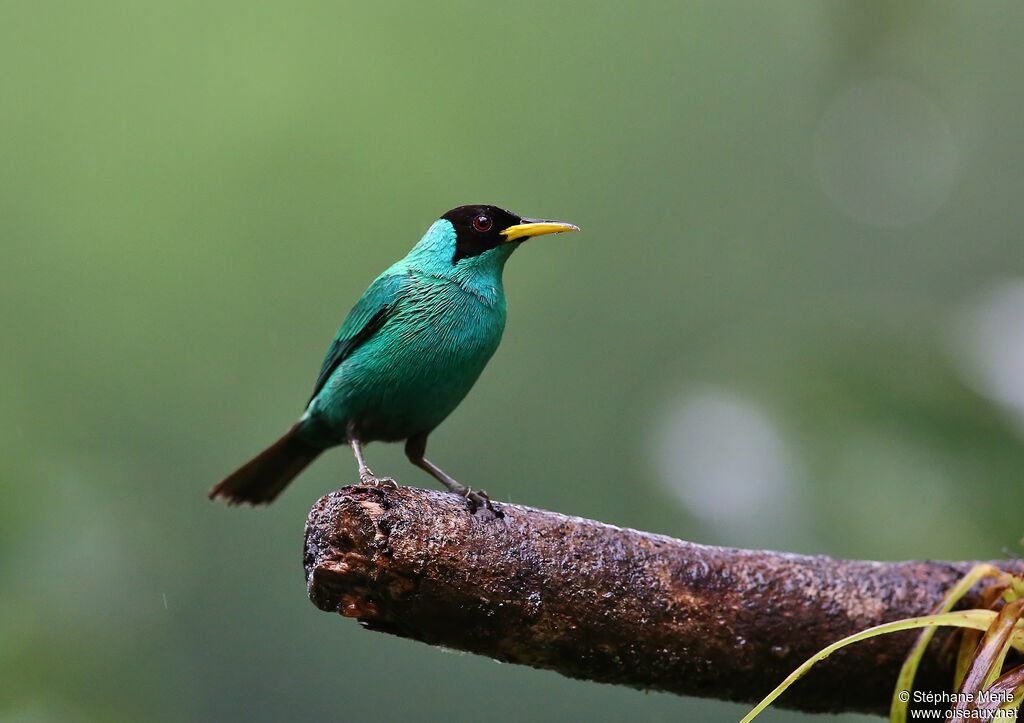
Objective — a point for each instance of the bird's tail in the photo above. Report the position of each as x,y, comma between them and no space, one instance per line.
262,478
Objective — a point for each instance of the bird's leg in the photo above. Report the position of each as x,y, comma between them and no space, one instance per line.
475,498
366,475
416,447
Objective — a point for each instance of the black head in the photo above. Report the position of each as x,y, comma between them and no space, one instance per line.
478,229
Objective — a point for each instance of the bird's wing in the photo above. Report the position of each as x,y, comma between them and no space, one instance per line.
369,314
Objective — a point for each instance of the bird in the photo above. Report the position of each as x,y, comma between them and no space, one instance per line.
406,355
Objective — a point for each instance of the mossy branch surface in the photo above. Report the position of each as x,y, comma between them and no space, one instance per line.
603,603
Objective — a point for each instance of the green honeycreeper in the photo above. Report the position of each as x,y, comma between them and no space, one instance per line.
406,355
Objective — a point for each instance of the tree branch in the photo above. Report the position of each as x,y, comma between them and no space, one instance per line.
602,603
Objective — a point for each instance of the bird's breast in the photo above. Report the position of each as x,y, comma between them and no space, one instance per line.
420,365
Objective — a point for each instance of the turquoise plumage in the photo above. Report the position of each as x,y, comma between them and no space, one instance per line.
437,331
407,354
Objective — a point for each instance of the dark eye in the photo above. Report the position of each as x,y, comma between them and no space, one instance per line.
482,223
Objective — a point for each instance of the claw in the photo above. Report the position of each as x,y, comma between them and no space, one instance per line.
479,499
369,478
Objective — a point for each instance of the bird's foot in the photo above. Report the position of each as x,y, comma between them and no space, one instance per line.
478,499
367,477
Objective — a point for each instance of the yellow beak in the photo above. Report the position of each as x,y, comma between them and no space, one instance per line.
536,227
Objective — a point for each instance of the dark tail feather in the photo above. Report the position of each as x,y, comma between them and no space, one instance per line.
262,478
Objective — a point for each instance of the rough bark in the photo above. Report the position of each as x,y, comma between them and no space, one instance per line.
614,605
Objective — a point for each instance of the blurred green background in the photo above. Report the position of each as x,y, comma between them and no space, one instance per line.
795,318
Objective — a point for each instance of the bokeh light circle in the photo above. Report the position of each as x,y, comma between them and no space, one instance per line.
885,153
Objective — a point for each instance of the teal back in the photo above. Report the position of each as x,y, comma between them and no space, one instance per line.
445,322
